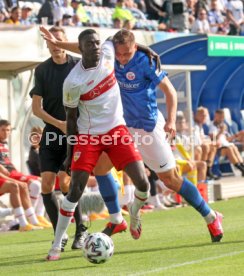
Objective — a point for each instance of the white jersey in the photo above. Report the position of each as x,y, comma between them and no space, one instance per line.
96,93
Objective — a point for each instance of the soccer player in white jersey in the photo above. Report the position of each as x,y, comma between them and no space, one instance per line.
138,81
92,87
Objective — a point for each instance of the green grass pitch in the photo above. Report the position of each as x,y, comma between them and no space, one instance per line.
174,242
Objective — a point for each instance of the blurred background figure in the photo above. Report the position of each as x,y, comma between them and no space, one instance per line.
201,25
217,22
26,14
15,16
33,161
234,11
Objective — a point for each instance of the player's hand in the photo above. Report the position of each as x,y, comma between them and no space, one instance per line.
62,126
151,54
170,130
47,35
154,56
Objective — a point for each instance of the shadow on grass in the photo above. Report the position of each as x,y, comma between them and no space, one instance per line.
15,261
178,247
46,263
71,268
27,242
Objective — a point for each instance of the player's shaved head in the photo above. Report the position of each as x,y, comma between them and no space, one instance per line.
83,34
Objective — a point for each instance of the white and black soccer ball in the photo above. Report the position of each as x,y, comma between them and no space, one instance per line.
98,248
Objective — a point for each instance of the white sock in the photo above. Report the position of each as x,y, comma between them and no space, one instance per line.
139,201
20,215
116,218
65,215
125,199
40,208
132,192
31,216
210,217
35,191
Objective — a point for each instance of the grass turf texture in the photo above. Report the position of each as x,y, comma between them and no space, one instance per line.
174,242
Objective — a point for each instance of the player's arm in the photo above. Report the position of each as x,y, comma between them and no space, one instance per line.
168,89
42,114
69,46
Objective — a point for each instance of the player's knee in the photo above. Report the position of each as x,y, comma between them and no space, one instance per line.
171,179
198,150
14,188
23,187
47,187
64,186
48,182
141,182
203,165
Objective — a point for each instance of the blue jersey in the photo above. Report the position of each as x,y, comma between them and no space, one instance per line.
137,81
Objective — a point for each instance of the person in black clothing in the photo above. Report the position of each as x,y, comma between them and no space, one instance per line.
47,104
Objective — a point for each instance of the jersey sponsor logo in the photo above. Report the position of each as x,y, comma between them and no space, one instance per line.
130,75
103,86
94,93
128,85
90,82
77,155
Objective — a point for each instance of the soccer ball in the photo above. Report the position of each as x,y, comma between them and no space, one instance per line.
98,248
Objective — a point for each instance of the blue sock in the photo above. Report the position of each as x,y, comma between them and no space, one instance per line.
193,197
109,190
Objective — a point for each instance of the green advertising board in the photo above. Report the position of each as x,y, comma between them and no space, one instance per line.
227,46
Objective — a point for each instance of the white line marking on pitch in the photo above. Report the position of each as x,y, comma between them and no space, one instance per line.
186,263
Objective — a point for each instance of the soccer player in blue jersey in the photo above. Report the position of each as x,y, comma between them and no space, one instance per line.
138,81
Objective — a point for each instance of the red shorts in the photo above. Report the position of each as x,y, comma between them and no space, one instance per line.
22,177
117,143
2,182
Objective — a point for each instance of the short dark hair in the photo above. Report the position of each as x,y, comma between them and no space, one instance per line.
4,123
123,37
219,111
14,8
85,33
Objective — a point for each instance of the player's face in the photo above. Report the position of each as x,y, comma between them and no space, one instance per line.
55,51
90,47
125,52
4,132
